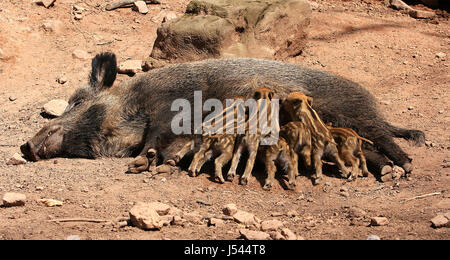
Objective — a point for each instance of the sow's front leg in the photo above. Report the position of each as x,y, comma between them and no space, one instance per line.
149,154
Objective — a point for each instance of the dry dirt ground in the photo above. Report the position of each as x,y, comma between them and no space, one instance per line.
391,54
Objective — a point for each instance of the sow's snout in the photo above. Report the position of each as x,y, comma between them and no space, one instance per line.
45,144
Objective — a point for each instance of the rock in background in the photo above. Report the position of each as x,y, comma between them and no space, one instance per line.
273,29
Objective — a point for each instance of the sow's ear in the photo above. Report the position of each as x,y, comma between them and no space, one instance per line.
104,71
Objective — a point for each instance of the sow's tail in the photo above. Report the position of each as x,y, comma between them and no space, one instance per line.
409,134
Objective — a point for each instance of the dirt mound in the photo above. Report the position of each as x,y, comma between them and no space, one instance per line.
225,28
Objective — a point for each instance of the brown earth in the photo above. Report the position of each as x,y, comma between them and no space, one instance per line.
390,53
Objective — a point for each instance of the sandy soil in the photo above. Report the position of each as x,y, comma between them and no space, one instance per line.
391,54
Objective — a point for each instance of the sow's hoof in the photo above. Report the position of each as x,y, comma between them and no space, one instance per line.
138,165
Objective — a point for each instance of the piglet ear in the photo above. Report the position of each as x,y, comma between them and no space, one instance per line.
104,71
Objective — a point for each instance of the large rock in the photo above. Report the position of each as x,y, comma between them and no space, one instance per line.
227,28
144,216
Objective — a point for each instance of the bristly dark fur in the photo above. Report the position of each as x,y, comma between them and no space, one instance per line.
80,138
104,68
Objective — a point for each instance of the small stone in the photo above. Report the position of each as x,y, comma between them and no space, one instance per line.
230,209
61,80
271,225
73,237
344,194
78,17
420,14
245,218
130,67
292,213
12,199
373,237
276,214
254,235
428,143
410,108
440,221
177,221
145,217
440,55
16,159
45,3
122,224
55,107
78,8
379,221
53,26
277,236
81,55
216,222
39,188
194,218
51,202
288,234
355,212
141,7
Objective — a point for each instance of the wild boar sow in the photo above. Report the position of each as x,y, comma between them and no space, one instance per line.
127,119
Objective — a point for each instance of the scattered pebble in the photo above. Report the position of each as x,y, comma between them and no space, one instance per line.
73,237
81,55
373,237
379,221
271,225
130,67
216,222
441,221
193,217
12,199
52,26
46,3
254,235
440,55
288,234
230,209
61,80
51,202
12,98
245,218
141,7
55,107
16,159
